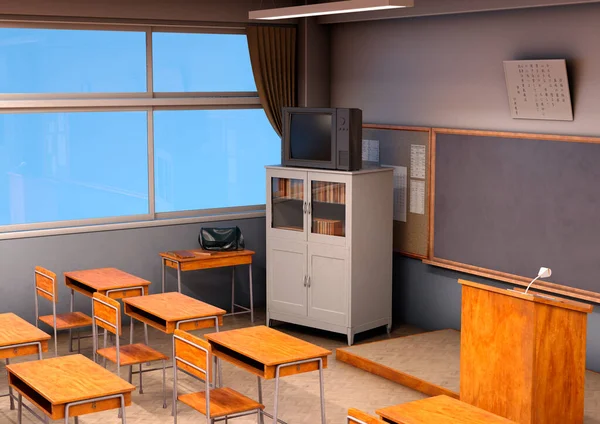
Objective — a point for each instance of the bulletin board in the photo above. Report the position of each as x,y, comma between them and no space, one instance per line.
407,149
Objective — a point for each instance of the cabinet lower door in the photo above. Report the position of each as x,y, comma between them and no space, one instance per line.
287,276
328,283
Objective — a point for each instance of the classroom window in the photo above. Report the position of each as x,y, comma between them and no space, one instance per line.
71,61
103,124
201,63
72,166
208,159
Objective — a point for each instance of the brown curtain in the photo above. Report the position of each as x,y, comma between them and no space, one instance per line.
273,57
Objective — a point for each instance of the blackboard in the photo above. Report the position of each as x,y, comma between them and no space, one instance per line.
504,204
411,237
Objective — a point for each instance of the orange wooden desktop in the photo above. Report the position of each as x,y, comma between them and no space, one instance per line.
268,354
203,259
168,311
438,410
69,386
20,338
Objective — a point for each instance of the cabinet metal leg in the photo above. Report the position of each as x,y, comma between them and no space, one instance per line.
350,337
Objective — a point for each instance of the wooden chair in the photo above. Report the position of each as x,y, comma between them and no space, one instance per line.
194,356
358,417
106,313
45,286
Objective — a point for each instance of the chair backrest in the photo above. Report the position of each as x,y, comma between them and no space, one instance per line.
45,284
106,313
358,417
193,355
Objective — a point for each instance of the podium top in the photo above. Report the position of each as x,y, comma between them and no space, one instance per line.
559,302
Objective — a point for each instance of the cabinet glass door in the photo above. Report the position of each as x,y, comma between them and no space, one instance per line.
328,208
288,205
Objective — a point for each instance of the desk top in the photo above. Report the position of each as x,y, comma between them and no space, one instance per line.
173,306
203,255
266,345
69,379
439,410
15,330
103,279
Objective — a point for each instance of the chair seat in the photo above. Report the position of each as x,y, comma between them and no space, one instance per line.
132,354
223,401
68,320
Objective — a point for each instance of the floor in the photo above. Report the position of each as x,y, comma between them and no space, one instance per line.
345,386
435,357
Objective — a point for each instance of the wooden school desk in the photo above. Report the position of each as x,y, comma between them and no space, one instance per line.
269,354
438,410
168,311
196,259
110,282
19,338
68,386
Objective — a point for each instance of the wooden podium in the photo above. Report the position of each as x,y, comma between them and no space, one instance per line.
522,356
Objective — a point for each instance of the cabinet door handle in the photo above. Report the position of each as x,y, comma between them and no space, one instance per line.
305,280
304,207
308,208
308,280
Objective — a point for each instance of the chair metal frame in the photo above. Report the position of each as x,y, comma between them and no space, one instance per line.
53,301
116,327
207,383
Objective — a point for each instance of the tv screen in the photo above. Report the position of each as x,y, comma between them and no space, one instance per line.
310,136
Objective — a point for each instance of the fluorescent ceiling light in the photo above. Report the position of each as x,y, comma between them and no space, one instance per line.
331,8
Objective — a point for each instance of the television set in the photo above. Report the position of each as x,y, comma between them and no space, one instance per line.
322,138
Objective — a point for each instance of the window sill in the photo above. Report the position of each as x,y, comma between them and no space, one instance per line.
159,222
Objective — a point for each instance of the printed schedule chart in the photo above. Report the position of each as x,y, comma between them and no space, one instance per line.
538,89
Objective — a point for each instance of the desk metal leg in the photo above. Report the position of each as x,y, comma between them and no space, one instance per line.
10,391
232,289
163,272
20,411
261,417
179,277
322,387
251,294
70,330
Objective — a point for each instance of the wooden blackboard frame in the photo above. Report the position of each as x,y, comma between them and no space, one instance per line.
427,130
486,272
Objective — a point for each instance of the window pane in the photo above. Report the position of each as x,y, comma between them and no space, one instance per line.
71,61
212,158
76,165
201,62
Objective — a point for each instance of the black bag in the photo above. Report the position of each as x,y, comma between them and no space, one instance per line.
221,239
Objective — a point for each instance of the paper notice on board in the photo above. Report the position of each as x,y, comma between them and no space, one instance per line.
370,151
417,161
400,191
417,197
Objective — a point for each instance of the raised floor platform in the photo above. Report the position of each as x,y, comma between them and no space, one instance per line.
430,363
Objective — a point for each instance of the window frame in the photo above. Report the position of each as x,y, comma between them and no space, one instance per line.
148,102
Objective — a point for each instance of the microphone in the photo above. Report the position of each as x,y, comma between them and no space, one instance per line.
542,273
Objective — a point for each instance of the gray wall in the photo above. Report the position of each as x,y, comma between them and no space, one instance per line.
134,251
447,72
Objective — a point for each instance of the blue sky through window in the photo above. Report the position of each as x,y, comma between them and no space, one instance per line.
75,165
71,61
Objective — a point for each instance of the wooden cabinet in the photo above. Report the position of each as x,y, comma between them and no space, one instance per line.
329,248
